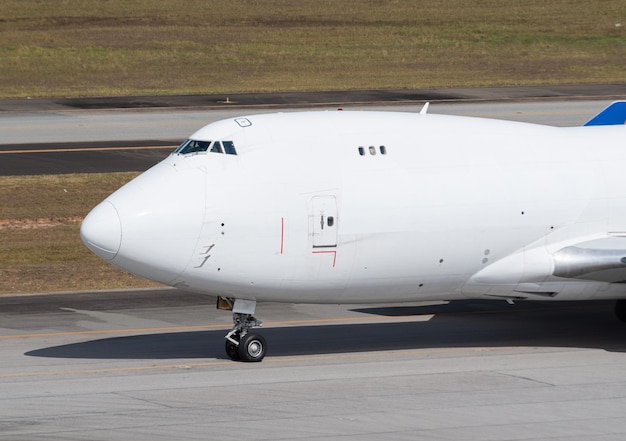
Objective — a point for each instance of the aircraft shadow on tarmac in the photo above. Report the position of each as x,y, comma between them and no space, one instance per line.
576,325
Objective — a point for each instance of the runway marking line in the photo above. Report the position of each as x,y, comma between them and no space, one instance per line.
112,331
209,327
105,370
88,149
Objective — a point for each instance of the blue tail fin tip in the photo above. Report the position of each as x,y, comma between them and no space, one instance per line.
614,114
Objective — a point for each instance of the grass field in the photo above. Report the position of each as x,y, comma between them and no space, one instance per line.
120,47
40,247
134,47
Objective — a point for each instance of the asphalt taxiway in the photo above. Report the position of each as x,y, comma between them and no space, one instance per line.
150,365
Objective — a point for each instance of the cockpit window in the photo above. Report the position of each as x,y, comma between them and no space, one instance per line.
193,146
216,147
229,147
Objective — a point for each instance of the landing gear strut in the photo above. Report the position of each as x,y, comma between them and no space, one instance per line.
241,344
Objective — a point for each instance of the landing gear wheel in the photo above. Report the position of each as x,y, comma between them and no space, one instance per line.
241,345
232,351
620,310
252,347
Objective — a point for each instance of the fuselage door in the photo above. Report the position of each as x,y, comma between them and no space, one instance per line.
324,221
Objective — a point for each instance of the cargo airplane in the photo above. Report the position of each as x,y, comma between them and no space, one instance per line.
365,207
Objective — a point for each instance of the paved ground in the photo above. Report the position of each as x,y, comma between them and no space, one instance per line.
150,365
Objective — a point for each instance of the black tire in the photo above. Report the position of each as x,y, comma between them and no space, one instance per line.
620,310
232,351
252,348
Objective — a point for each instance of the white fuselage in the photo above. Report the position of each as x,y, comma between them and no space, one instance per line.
346,207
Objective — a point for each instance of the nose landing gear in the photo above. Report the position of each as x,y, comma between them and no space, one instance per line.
241,344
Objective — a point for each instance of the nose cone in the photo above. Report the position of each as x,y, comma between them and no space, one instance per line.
161,213
101,231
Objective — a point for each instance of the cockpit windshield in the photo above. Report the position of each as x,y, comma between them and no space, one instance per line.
194,146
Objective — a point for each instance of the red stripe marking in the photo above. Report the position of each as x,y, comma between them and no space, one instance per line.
327,252
282,234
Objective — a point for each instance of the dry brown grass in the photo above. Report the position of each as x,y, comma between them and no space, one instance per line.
40,247
117,47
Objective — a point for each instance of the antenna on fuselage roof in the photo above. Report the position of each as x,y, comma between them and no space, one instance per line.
425,108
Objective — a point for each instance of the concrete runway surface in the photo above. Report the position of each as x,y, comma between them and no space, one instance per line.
150,365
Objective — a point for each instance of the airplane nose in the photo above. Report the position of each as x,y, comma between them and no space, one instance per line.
101,231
